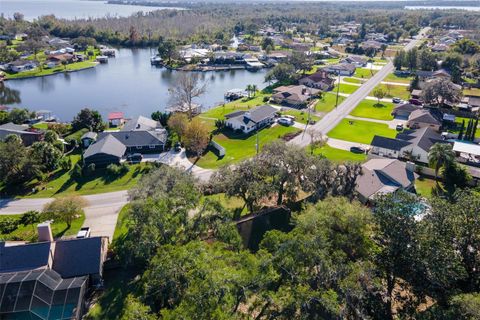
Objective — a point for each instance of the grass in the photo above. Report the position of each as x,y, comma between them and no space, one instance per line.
459,121
360,131
77,134
374,110
471,92
393,91
424,186
345,88
339,155
364,73
234,204
41,126
327,102
45,72
241,104
61,182
391,77
240,146
353,80
121,228
300,116
29,232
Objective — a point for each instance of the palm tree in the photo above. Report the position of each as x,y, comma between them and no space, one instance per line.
440,155
249,89
254,89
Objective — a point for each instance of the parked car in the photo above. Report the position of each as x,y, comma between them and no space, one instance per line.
285,121
357,150
135,158
83,233
399,127
415,102
289,117
396,100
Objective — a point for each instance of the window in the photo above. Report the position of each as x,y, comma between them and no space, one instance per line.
152,146
139,147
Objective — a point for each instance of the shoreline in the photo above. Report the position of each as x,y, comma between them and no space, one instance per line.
52,74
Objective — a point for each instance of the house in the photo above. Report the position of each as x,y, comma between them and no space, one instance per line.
21,65
50,278
57,59
426,76
139,141
104,152
467,151
371,44
296,96
404,110
358,61
115,119
440,47
473,103
383,176
416,94
319,80
88,138
27,134
412,144
248,121
343,69
423,118
141,123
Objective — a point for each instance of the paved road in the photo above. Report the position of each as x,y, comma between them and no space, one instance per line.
330,120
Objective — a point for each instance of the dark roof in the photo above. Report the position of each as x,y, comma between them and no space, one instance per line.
234,114
13,127
141,123
388,143
424,138
342,67
424,74
23,257
79,257
423,116
107,145
406,107
255,115
137,138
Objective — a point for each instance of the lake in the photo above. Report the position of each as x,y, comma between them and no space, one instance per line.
126,83
69,9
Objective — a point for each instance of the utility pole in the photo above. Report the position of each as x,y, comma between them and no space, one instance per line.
338,89
256,128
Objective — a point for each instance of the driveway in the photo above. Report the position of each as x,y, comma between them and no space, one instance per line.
392,124
329,121
180,160
345,145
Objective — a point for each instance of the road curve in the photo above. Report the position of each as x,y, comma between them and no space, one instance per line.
329,121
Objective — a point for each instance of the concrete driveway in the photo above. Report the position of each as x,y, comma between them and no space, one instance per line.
180,160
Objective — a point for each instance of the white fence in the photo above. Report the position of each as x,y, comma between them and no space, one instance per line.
221,150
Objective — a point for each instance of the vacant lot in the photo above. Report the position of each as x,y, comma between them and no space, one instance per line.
240,146
346,88
339,155
360,131
394,91
327,102
364,73
391,77
374,110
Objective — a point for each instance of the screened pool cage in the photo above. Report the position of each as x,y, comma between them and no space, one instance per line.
40,294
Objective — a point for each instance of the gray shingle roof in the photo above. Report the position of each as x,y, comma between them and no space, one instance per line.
23,257
137,138
89,135
389,143
141,123
423,116
424,138
107,145
78,257
255,115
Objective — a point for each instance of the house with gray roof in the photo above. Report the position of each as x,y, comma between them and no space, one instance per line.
141,123
104,152
383,176
248,121
28,135
422,118
139,141
343,69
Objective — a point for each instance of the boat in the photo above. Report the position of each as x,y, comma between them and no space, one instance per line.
156,60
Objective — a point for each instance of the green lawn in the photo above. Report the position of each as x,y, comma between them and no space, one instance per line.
346,88
29,232
300,116
77,134
471,92
353,80
45,72
339,155
327,102
62,183
391,77
424,186
393,91
41,126
240,147
360,131
241,104
121,227
235,204
374,110
364,73
459,121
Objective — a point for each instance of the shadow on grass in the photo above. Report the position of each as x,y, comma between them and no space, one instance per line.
61,233
379,105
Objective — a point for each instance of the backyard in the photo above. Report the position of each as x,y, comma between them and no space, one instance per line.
374,110
241,146
339,155
424,187
327,102
345,88
301,116
360,131
392,77
241,104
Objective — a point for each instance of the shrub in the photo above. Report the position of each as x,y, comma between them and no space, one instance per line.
91,168
65,163
77,171
265,99
113,170
66,209
8,225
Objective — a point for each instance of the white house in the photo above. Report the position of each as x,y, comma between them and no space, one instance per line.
248,121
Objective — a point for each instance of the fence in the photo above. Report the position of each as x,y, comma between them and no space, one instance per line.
220,150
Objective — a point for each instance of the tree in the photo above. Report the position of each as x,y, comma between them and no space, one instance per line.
282,72
178,123
161,117
440,155
134,37
30,218
188,87
379,93
196,137
64,64
268,44
462,129
466,46
453,63
166,49
48,156
20,116
89,119
455,177
400,60
440,91
32,45
17,165
249,90
135,310
300,61
427,60
66,208
411,59
317,140
8,225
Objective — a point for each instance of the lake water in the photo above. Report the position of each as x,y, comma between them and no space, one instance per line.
126,83
69,9
442,8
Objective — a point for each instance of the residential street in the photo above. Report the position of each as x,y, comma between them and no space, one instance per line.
330,120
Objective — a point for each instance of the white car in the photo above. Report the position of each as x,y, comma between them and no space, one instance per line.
285,121
83,233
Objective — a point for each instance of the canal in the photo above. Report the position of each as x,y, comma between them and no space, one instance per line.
126,83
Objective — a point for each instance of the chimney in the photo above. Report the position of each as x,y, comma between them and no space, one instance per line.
410,166
44,232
